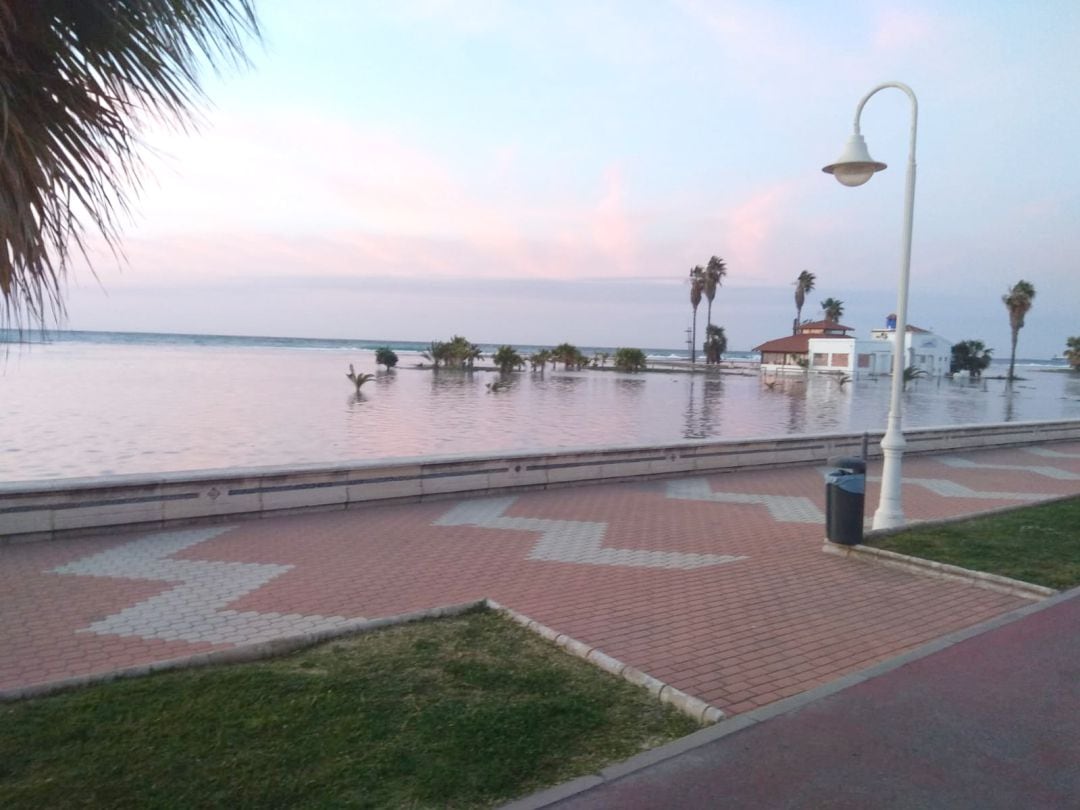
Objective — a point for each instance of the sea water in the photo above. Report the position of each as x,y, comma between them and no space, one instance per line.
88,404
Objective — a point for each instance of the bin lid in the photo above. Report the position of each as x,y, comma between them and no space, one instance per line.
849,463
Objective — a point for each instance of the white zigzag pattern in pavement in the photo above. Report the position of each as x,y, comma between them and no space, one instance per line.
193,610
950,489
571,541
783,508
1048,472
1048,453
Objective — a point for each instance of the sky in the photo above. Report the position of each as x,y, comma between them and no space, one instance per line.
538,172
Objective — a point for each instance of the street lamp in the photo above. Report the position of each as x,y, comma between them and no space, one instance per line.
853,168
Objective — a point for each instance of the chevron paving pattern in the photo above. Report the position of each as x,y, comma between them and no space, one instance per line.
715,584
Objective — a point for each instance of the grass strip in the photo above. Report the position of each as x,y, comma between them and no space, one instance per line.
457,712
1037,544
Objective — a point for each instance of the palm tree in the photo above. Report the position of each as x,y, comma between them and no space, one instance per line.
971,356
715,271
540,359
803,284
1072,352
82,81
385,356
568,354
1018,301
358,379
715,343
438,351
507,359
697,287
630,360
834,309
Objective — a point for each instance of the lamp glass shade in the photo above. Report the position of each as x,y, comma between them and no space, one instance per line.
854,166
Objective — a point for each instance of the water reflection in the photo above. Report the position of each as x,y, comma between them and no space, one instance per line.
701,419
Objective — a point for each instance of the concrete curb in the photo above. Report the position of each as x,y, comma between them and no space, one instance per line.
938,570
239,654
689,705
551,796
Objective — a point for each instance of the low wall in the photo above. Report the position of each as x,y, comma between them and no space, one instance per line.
46,509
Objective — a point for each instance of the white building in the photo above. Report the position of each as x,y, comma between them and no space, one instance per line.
924,350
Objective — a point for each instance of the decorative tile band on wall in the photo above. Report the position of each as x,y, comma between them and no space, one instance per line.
38,510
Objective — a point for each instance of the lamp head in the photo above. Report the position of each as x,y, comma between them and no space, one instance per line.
854,166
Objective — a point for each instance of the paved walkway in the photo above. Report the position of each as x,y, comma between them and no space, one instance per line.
992,721
714,584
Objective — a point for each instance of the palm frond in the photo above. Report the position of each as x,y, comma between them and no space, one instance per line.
80,81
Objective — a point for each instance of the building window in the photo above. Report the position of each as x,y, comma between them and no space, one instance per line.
840,360
864,361
821,359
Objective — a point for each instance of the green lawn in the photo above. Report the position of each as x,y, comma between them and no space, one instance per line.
461,712
1038,544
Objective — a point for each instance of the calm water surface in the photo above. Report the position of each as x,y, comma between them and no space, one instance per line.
78,409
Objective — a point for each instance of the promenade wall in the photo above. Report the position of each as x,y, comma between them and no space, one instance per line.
40,510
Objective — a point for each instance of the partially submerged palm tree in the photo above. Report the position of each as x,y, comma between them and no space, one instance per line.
971,356
358,379
540,359
507,359
803,284
715,343
1018,301
697,287
79,83
913,373
834,309
1072,352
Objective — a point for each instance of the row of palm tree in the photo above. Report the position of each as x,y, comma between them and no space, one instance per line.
457,352
704,281
832,308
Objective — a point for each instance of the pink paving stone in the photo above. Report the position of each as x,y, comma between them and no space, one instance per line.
782,620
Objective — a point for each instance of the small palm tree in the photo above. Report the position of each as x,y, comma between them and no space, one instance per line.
834,309
912,373
1072,352
507,359
803,284
715,271
630,360
715,343
540,359
697,287
81,83
385,356
358,379
568,354
1018,301
437,352
971,356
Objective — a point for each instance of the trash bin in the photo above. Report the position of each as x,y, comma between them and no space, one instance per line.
845,497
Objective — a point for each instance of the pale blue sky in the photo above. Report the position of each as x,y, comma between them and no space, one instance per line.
547,171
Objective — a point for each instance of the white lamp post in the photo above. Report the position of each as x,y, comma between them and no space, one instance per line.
853,168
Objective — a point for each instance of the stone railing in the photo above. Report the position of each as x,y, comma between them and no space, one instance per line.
45,509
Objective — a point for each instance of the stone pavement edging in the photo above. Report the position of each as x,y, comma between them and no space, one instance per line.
687,704
241,653
551,796
37,510
691,706
939,570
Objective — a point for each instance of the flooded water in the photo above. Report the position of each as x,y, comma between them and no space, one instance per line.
80,408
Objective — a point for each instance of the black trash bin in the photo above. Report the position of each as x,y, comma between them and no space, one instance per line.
845,498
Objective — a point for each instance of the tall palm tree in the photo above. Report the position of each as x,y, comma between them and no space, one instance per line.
81,81
803,284
834,309
697,287
715,271
1018,301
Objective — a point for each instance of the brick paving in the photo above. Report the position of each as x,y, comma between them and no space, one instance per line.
715,584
